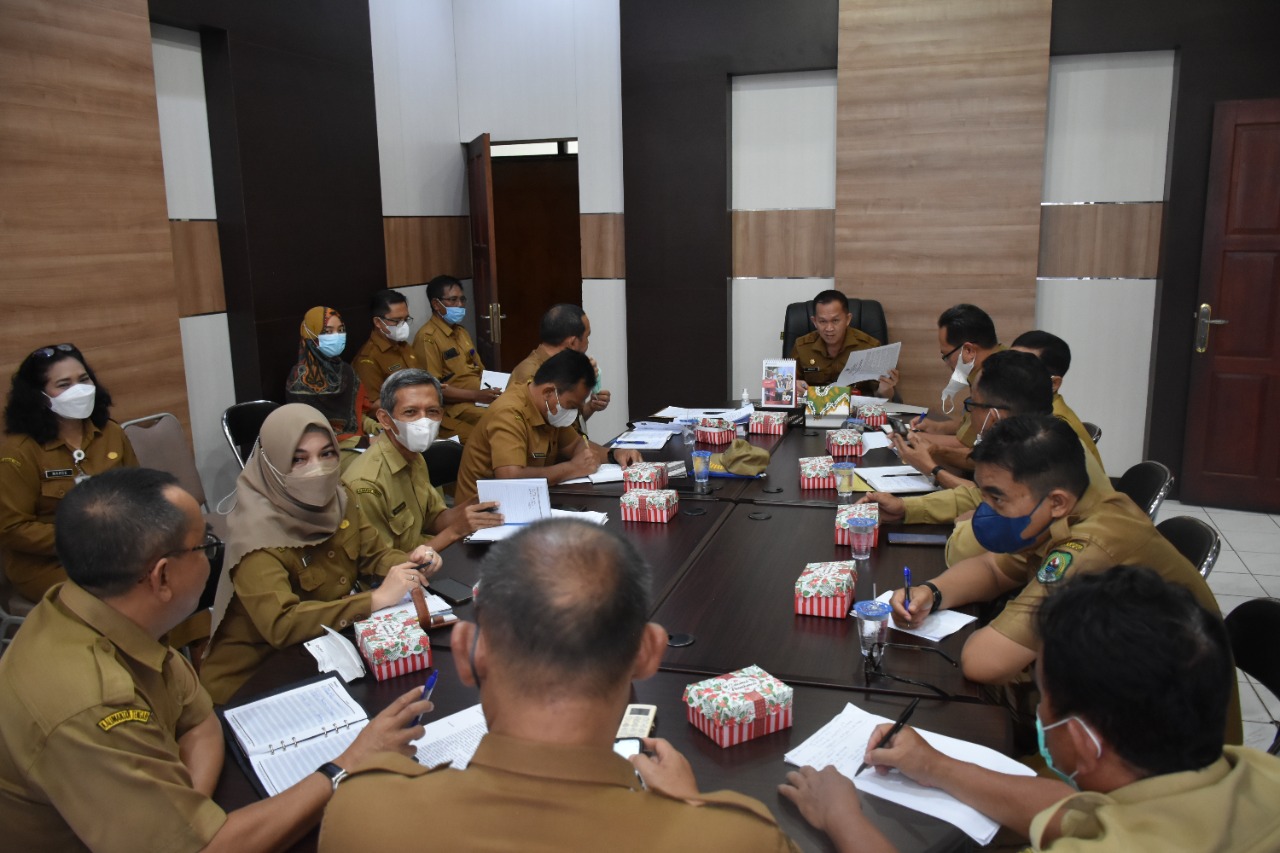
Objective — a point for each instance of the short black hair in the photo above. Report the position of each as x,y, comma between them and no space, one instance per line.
564,604
1040,451
27,411
406,378
438,285
381,302
566,369
968,324
112,527
561,322
1018,380
828,296
1053,350
1142,662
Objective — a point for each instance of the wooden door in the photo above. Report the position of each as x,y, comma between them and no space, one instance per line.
1232,457
484,278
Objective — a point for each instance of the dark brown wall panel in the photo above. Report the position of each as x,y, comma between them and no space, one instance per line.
784,243
419,248
603,245
1100,240
197,266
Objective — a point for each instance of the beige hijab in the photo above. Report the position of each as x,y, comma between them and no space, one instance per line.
269,512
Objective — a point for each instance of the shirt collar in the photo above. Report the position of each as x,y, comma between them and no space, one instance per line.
598,765
1060,529
535,415
122,631
441,325
91,432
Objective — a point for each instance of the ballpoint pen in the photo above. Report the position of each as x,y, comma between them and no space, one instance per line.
889,735
906,581
427,689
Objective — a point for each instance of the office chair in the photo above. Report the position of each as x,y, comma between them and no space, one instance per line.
159,442
1254,629
868,316
443,459
241,424
1147,484
1194,539
1095,431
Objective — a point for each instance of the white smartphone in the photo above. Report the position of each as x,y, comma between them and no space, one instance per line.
637,721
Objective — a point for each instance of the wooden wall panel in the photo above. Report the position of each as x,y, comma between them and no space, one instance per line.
86,236
419,248
784,243
197,266
1100,240
603,245
939,165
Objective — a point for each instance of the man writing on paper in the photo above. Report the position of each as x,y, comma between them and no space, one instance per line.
1135,682
821,355
446,351
564,326
529,431
390,479
107,740
388,348
560,634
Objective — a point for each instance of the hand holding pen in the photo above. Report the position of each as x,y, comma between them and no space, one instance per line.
882,738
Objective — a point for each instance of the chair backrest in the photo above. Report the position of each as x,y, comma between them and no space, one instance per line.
443,460
1194,539
241,424
868,315
1147,484
1254,629
1095,431
159,442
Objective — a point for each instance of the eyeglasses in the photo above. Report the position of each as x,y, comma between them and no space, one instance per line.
453,300
970,405
212,547
50,352
953,352
873,666
399,322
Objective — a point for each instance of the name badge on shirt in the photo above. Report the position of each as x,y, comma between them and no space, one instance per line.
538,455
808,370
398,509
54,473
450,353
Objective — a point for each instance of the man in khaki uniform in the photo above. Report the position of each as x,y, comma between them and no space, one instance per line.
1135,679
529,431
966,336
388,348
821,355
564,326
107,740
446,351
560,634
1056,355
390,479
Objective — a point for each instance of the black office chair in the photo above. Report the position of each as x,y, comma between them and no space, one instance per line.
241,424
1254,629
1095,431
443,459
1194,539
1147,483
868,315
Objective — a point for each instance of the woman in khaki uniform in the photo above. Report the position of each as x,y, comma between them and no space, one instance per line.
59,433
300,555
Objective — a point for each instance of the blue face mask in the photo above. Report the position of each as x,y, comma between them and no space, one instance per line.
453,314
1001,535
1041,728
332,345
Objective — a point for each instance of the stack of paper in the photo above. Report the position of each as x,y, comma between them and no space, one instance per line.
896,479
739,415
335,653
935,626
867,364
452,739
606,473
638,439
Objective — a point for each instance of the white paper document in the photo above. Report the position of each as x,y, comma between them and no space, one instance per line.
520,501
641,439
661,426
842,743
452,739
606,473
904,409
868,364
936,626
874,439
335,653
896,479
735,415
493,379
495,534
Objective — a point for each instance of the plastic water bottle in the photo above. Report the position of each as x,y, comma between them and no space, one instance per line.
746,398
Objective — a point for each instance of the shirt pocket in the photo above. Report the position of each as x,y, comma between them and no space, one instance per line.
51,494
311,578
401,523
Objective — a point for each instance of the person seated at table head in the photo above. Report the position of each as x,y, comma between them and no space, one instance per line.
107,740
446,351
560,633
1136,681
391,482
1056,355
59,433
966,337
529,431
563,326
821,355
300,555
389,347
322,380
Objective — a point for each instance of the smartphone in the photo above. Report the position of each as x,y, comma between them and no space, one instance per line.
637,721
899,427
627,746
450,590
897,538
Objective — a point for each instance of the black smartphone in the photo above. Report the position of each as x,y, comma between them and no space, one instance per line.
899,427
450,590
898,538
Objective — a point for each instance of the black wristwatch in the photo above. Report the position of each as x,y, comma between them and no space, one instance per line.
933,475
937,599
333,773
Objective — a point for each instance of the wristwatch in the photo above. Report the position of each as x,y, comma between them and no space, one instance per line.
336,774
933,475
937,603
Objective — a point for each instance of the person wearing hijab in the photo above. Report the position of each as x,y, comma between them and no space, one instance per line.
300,555
59,434
322,379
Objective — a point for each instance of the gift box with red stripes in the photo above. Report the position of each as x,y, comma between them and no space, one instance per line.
394,644
816,472
740,706
644,475
767,423
873,415
714,431
656,505
844,442
844,513
826,589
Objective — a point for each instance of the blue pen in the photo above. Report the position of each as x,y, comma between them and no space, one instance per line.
922,416
427,688
906,579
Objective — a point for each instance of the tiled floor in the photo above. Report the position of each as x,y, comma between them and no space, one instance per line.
1248,567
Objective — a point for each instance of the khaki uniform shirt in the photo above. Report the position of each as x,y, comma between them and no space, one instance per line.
285,596
375,361
1062,410
1228,807
513,432
818,368
395,495
89,726
448,353
526,369
519,795
34,478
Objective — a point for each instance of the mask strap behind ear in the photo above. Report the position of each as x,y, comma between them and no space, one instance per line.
471,656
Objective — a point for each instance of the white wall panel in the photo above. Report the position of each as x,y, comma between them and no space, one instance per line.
416,93
420,308
515,63
206,354
605,302
757,308
599,89
1108,127
184,123
1109,325
784,140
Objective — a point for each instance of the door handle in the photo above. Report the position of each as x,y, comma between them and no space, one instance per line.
1204,319
495,318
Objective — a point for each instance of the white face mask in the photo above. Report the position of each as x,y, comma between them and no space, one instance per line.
562,418
417,436
75,403
959,382
398,333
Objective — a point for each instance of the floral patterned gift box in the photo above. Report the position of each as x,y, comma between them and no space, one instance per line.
844,513
826,589
740,706
644,475
394,644
844,442
714,431
816,472
656,505
767,423
873,415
